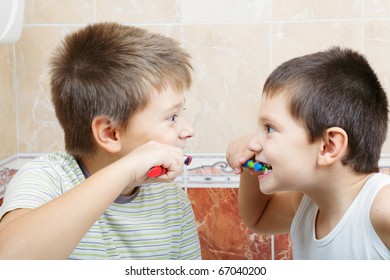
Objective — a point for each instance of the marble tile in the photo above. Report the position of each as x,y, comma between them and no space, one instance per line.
282,247
228,75
172,30
225,11
318,9
377,48
223,236
59,12
234,44
213,191
292,39
230,67
8,124
39,130
377,8
139,11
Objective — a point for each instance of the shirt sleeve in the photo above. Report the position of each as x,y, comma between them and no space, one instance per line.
190,246
35,184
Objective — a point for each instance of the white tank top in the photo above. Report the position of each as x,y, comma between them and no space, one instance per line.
352,238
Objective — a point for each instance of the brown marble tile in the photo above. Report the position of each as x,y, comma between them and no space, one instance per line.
282,247
223,235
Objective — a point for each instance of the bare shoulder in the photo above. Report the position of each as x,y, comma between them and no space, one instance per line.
380,213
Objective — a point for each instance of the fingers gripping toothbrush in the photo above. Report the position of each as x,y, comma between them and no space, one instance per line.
159,170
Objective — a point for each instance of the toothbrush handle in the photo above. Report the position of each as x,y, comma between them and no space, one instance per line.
159,170
156,171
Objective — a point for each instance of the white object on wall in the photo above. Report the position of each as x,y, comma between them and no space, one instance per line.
11,20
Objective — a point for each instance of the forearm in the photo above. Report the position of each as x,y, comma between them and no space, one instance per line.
53,230
252,202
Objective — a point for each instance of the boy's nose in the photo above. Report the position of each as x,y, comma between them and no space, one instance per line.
187,131
255,145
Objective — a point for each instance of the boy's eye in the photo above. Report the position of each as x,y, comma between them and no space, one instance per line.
269,129
172,118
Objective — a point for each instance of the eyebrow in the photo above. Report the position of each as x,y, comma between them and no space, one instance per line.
267,119
262,119
176,106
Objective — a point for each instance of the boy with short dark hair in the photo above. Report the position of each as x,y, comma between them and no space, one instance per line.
117,93
322,123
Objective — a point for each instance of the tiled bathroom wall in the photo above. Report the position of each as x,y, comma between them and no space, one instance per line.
235,44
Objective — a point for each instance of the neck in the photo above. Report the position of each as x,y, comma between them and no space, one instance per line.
334,199
337,193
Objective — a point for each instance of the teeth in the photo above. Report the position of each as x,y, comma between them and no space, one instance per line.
266,166
260,167
263,172
269,167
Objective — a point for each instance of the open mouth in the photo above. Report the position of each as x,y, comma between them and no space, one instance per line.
262,167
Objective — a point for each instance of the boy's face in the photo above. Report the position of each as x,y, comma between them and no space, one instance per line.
285,147
162,120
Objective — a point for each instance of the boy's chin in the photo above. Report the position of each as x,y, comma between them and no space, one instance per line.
267,188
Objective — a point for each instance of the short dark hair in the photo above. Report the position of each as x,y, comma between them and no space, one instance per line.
336,88
111,69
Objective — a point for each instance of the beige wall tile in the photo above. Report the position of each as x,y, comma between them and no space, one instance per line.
317,9
173,31
377,8
225,11
377,50
7,104
53,11
139,11
234,44
231,63
293,39
39,130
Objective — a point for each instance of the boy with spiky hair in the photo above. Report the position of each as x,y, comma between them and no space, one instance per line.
322,123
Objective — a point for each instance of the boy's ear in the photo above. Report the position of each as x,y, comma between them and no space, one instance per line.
106,134
334,146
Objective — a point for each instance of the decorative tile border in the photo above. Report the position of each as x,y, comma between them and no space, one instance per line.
206,170
9,167
209,170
